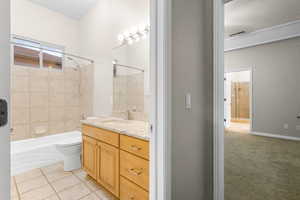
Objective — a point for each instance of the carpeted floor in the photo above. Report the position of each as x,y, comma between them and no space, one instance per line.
261,168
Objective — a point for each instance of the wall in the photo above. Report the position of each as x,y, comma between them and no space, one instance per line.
46,102
276,83
39,23
99,32
4,94
192,72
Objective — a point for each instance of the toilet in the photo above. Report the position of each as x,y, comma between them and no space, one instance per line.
71,152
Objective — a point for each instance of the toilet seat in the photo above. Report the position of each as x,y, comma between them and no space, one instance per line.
71,151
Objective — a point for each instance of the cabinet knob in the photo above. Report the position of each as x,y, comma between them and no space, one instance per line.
135,148
135,172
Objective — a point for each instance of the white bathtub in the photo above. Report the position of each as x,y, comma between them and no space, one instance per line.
37,152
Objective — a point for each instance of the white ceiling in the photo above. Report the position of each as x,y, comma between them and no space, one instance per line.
251,15
71,8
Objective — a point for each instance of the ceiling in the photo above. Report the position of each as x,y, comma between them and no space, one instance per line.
71,8
251,15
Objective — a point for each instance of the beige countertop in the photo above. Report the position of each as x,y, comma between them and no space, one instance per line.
138,129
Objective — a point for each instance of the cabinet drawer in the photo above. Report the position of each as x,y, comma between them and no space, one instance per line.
101,134
130,191
135,169
135,146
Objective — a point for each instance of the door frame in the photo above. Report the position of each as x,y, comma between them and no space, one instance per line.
243,69
218,111
5,94
160,150
160,81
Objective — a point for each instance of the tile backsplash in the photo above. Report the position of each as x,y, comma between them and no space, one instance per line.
49,101
128,96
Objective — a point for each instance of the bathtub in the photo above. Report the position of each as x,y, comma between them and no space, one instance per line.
37,152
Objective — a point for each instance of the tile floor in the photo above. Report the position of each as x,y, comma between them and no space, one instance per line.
52,183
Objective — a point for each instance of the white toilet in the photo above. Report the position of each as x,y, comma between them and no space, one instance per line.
71,151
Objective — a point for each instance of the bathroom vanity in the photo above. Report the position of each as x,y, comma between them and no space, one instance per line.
115,153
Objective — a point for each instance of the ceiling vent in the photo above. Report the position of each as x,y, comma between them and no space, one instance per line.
237,33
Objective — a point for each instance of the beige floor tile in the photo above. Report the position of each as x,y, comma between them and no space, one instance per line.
13,188
32,184
92,185
56,175
53,197
65,182
38,194
82,175
28,175
15,198
104,195
74,193
91,197
52,168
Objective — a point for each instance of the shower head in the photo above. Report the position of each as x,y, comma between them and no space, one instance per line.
115,63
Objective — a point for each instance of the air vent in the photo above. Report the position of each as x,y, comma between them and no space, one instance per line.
237,33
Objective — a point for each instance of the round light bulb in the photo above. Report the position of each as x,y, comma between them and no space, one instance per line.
130,41
121,38
126,34
142,28
134,30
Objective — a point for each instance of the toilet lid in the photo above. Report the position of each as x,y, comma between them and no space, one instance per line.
70,142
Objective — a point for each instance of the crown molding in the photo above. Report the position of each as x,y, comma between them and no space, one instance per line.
263,36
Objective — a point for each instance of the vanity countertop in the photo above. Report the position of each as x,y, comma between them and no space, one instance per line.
137,129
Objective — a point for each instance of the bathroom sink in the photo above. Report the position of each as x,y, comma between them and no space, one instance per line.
117,122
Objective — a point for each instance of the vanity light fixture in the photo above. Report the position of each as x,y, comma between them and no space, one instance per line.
135,34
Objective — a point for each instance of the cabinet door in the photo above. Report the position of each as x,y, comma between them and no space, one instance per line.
89,151
108,167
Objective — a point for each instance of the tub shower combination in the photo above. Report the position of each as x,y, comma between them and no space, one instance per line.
38,152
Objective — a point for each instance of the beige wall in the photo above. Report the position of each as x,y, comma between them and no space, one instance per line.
192,72
99,31
276,84
31,20
46,102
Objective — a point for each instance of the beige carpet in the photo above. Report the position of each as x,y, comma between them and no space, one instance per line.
261,168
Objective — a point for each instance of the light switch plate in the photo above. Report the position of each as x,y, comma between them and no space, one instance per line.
188,101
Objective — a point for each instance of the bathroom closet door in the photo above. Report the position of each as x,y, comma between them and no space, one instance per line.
4,95
240,100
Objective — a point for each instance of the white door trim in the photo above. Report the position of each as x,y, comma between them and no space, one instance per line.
218,132
5,94
160,150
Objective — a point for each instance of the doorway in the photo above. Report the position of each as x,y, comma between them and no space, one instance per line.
237,101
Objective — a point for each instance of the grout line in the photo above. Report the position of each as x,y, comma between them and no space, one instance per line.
33,188
50,185
18,193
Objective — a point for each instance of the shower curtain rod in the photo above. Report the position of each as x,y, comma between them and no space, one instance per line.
64,53
130,67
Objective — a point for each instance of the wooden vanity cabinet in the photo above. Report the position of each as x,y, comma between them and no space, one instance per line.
108,167
89,156
117,162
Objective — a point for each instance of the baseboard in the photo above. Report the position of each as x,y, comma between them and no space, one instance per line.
275,136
